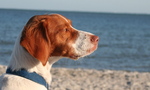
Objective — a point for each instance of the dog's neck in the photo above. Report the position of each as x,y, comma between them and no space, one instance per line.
20,58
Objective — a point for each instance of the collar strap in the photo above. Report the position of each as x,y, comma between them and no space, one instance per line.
31,76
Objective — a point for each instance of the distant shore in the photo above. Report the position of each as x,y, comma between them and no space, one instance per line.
87,79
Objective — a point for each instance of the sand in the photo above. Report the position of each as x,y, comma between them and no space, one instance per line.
86,79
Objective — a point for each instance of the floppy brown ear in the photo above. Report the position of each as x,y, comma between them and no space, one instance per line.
35,39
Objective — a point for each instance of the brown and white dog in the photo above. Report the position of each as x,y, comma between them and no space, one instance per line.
44,40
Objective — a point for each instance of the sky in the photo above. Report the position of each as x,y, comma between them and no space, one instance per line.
114,6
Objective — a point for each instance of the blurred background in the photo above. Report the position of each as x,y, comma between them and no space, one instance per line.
122,25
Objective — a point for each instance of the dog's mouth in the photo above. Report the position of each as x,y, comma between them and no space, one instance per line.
75,57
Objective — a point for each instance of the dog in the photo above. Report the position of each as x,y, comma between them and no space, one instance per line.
44,40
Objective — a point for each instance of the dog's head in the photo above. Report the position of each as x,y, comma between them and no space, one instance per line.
53,35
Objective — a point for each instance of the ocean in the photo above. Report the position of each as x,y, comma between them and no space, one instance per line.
124,38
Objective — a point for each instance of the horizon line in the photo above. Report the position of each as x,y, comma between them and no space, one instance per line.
80,11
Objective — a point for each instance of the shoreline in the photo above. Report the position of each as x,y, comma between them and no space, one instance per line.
89,79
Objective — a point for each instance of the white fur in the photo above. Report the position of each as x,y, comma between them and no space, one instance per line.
13,82
83,44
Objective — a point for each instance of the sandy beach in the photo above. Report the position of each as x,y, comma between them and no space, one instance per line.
86,79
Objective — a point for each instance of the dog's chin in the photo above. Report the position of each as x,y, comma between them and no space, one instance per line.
76,57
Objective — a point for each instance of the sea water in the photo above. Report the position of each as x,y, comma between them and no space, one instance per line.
124,38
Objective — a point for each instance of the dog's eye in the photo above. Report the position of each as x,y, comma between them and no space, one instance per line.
66,29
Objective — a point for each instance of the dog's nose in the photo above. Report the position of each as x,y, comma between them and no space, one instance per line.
94,39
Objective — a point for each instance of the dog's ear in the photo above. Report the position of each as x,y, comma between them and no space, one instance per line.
35,39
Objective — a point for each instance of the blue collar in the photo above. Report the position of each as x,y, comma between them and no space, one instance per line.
31,76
